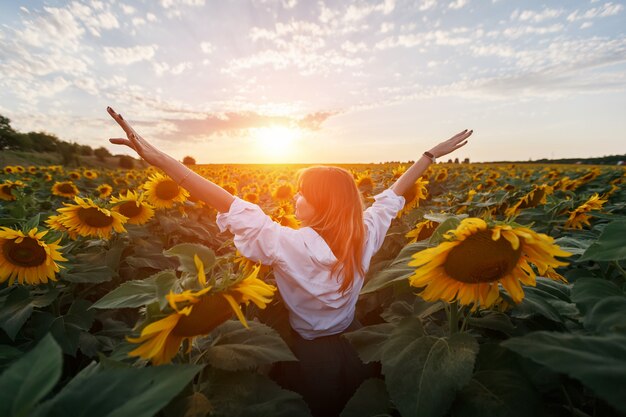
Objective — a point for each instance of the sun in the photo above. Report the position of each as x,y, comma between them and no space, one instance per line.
277,142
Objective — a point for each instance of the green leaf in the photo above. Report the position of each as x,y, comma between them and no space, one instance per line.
535,303
119,392
588,291
32,222
88,274
139,292
607,315
244,394
493,320
424,374
597,361
450,223
369,341
370,399
30,378
236,348
497,393
185,253
397,271
19,306
609,246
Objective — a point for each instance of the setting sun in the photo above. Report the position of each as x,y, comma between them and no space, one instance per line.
276,142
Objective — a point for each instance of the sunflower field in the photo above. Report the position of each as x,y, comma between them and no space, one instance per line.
500,291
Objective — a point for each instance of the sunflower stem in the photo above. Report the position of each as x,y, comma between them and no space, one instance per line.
454,317
620,269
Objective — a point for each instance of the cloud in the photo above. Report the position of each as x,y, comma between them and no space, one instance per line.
127,56
536,17
607,9
457,4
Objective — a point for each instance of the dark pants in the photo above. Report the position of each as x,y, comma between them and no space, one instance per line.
327,374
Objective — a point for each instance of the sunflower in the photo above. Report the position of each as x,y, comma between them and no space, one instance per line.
422,230
475,257
283,192
74,175
251,197
285,217
90,220
28,257
32,169
6,190
90,174
535,197
579,217
365,183
65,189
413,196
8,169
441,175
133,207
201,312
163,192
104,190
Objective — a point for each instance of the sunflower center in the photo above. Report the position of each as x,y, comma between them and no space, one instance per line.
6,190
66,188
130,209
481,259
427,231
95,218
27,253
534,199
207,314
166,190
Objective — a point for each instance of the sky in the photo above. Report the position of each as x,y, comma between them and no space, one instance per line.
295,81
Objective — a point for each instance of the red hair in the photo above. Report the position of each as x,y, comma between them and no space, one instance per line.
338,217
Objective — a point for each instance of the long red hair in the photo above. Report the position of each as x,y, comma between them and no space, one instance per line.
338,217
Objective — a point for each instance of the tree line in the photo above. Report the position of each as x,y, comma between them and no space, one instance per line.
10,139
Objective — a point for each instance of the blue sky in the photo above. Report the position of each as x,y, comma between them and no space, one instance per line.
321,82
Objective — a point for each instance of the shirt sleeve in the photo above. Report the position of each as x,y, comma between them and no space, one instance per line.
378,216
257,236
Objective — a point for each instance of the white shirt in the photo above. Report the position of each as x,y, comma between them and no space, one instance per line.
302,261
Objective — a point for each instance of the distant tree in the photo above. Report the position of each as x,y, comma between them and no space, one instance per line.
43,142
466,161
126,162
456,160
69,153
102,153
7,134
85,150
450,160
189,160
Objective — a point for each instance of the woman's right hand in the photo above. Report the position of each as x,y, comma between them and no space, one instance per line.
144,149
452,144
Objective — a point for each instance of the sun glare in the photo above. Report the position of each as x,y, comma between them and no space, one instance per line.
276,143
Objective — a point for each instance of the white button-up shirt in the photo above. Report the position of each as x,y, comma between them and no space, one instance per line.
302,261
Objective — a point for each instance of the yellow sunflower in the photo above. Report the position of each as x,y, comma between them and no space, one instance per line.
27,257
468,266
283,192
251,197
133,207
579,217
6,190
537,196
422,230
365,183
74,175
197,313
284,216
90,220
163,192
104,190
90,174
65,189
412,197
442,175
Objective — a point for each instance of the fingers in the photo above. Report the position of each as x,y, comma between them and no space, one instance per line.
122,141
120,121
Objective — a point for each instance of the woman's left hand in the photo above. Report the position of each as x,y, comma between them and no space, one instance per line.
452,144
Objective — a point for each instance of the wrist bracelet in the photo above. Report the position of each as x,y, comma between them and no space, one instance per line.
431,157
185,177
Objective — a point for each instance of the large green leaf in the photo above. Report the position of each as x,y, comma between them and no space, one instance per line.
610,245
370,399
397,271
536,302
185,253
423,375
30,378
496,393
369,341
588,291
597,361
607,315
119,392
244,394
139,292
235,347
19,306
493,320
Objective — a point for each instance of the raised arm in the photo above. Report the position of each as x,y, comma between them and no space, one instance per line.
198,186
411,175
